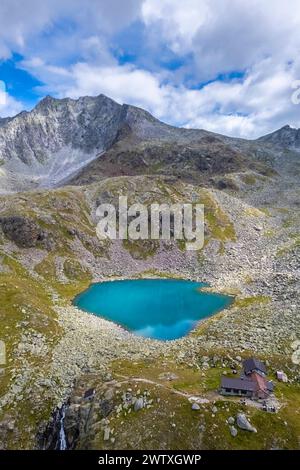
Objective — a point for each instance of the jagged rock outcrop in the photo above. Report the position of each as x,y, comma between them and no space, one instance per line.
25,232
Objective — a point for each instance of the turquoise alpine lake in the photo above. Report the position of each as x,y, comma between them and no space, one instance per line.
163,309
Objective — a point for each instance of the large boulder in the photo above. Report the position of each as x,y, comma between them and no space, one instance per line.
139,404
243,423
195,407
106,407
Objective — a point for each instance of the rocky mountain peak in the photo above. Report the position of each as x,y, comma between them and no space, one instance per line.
46,101
287,136
41,147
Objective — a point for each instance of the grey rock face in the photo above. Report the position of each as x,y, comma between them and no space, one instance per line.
284,137
233,431
55,139
4,121
25,232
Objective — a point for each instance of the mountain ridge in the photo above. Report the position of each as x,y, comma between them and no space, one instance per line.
45,147
285,136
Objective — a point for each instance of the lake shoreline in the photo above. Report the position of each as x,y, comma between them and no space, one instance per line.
173,312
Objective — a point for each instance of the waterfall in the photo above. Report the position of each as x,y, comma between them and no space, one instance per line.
62,441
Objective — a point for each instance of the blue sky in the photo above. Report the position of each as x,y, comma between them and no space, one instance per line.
228,66
19,83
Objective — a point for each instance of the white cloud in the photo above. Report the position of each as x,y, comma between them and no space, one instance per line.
179,21
21,23
124,83
260,37
8,105
226,35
